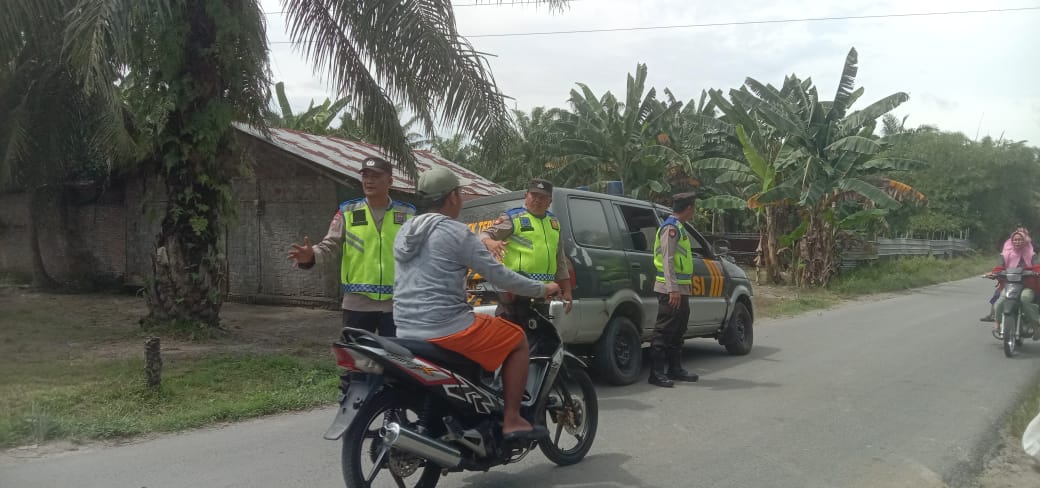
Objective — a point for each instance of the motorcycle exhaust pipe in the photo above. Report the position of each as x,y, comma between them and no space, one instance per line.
415,443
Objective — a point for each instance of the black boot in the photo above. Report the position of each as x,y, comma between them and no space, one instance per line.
657,376
675,369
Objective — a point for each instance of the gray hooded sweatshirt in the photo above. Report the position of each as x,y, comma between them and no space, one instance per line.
432,254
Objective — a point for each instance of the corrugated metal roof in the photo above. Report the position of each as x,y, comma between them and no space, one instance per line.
345,157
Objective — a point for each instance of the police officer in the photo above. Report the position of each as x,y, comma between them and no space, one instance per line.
363,230
674,262
527,240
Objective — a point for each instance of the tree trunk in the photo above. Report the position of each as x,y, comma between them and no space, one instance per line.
189,278
197,165
770,248
817,250
40,278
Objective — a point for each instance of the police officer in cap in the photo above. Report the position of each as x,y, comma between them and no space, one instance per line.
363,232
527,240
673,259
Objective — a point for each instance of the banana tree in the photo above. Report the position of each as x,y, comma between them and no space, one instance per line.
835,155
316,120
756,169
605,139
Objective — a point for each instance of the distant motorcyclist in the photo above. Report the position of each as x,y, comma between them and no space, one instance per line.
1018,252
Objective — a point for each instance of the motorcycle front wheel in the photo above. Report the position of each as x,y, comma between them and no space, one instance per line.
1010,325
572,415
366,464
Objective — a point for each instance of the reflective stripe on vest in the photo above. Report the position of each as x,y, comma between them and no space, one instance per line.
532,246
368,253
682,260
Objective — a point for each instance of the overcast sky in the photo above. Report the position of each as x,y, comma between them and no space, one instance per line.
973,73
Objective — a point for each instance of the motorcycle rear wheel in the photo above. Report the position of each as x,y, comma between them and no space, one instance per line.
385,406
573,411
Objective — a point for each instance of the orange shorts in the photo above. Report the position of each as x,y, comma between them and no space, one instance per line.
487,342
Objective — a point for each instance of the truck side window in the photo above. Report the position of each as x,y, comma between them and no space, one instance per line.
639,227
589,223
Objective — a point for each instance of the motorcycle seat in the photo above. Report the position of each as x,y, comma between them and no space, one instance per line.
441,356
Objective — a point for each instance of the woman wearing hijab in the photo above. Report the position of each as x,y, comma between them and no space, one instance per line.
1018,252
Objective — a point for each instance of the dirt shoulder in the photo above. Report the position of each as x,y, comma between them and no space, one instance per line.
41,326
1011,467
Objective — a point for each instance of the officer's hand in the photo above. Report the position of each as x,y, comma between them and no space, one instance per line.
551,290
497,248
302,254
568,301
674,299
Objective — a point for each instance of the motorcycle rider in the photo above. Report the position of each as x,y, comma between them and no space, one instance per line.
1018,252
433,253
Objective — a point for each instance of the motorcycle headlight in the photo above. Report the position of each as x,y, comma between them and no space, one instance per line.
1013,291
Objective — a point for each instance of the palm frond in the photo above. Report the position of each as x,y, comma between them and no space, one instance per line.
856,120
283,103
868,191
777,195
780,120
846,85
902,191
723,202
894,164
854,144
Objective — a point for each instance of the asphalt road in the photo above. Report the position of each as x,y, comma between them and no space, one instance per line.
906,391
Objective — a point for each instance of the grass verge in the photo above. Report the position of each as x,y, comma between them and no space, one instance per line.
906,273
884,276
82,400
1027,408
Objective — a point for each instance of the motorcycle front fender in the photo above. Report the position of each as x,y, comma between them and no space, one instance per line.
573,361
358,392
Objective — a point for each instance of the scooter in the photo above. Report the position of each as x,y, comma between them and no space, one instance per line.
411,412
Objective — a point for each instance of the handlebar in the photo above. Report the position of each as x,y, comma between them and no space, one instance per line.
1003,274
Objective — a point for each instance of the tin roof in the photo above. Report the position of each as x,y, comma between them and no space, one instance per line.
344,157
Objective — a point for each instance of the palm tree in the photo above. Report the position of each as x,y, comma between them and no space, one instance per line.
201,64
52,132
455,149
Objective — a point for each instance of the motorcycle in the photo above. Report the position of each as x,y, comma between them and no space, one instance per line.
1012,328
411,412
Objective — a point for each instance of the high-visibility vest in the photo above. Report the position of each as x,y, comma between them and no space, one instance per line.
368,252
683,259
532,246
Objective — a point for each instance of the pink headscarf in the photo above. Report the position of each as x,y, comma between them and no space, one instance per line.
1013,257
